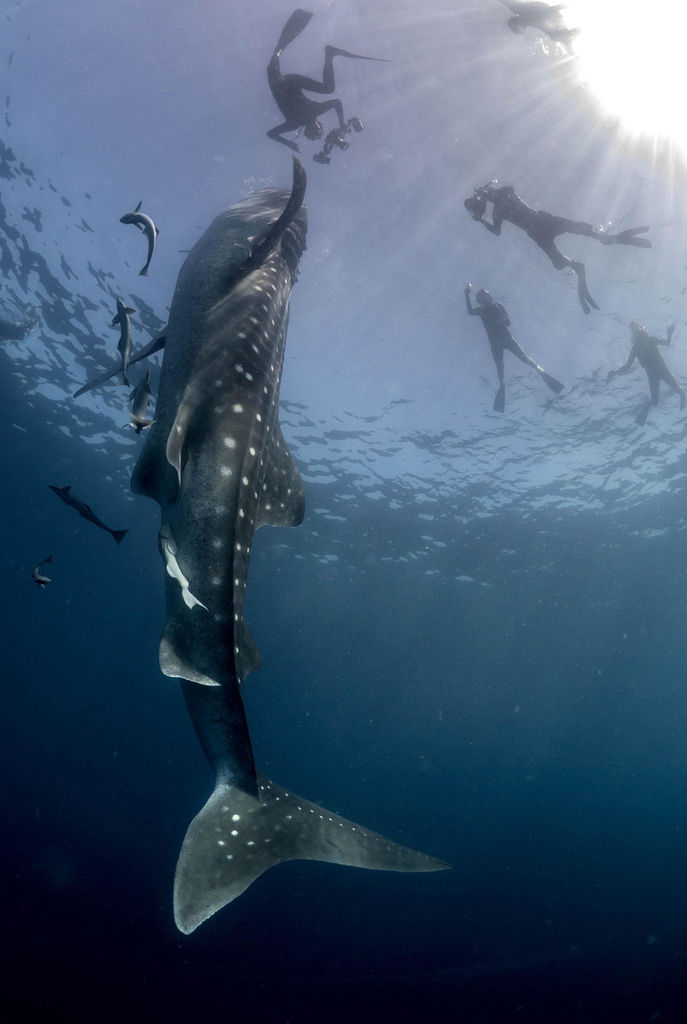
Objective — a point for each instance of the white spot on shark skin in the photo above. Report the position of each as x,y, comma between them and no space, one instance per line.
236,817
237,407
218,543
169,553
225,470
245,481
229,441
258,418
238,368
253,452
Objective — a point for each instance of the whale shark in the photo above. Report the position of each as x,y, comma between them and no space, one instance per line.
216,462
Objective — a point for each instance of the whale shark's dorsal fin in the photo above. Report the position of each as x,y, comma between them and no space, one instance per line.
282,502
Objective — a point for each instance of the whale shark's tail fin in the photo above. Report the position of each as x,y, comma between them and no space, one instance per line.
236,837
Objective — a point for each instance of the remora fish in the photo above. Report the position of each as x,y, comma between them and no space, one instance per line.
36,574
140,397
121,317
216,462
145,224
86,511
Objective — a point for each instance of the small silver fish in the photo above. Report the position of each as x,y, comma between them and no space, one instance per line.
145,224
36,574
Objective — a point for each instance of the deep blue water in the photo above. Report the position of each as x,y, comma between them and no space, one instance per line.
474,644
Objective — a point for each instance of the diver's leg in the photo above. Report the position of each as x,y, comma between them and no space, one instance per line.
674,386
560,262
327,85
500,397
546,242
641,416
550,381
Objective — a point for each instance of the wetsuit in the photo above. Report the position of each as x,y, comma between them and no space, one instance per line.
299,111
496,323
645,351
543,228
13,331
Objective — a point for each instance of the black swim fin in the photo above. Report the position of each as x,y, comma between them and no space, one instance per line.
551,382
628,238
500,399
641,416
293,27
336,52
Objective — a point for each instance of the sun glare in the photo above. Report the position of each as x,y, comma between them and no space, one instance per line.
633,59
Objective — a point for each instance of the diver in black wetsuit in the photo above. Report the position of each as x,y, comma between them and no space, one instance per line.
496,324
544,228
548,19
299,111
645,350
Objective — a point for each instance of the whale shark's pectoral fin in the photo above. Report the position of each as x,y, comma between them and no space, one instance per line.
236,837
154,346
282,502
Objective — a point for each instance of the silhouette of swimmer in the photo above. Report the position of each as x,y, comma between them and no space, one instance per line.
547,19
16,330
544,228
300,111
496,323
644,349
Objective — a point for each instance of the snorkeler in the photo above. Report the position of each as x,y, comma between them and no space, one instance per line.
543,228
645,350
546,19
300,111
496,323
16,330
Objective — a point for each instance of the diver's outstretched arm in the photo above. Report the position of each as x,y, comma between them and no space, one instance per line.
275,134
668,340
622,369
494,227
468,303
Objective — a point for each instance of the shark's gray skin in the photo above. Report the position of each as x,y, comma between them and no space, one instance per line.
37,576
86,511
124,346
216,462
140,397
145,224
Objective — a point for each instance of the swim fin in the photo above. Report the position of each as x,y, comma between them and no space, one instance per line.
293,27
500,399
641,416
628,238
336,52
551,382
